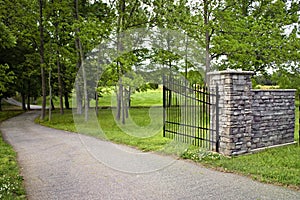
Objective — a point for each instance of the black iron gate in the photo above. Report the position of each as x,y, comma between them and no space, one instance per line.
187,111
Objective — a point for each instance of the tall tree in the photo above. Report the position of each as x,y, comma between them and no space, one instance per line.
22,21
238,34
42,59
129,15
254,34
91,27
60,48
6,76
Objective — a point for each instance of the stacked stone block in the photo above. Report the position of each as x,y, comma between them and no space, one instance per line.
273,117
249,119
235,117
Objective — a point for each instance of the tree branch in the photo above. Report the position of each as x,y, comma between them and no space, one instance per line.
133,9
213,56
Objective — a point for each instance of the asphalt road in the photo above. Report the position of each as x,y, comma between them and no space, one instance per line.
62,165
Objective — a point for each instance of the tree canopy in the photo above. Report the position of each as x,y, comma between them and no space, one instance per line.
48,41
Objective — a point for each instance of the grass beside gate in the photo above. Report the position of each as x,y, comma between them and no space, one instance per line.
277,165
11,183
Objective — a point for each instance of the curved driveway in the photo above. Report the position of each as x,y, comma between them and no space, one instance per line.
61,165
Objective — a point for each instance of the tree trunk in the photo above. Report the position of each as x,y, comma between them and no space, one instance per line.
67,105
170,70
129,97
28,101
60,85
81,59
123,107
120,93
89,102
186,57
28,94
0,103
97,103
207,40
61,101
119,100
50,96
42,61
52,105
23,101
78,64
170,79
127,102
78,99
86,99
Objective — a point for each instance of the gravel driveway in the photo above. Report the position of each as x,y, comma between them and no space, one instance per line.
63,165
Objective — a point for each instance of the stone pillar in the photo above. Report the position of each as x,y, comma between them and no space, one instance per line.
234,110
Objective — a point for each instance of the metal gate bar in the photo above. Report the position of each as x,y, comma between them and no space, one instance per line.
187,113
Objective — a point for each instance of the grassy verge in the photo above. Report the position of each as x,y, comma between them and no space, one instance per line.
148,98
11,183
278,165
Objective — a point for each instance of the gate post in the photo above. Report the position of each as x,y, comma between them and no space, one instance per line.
232,116
217,119
164,106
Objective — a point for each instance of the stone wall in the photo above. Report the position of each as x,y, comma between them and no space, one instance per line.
273,117
249,119
234,108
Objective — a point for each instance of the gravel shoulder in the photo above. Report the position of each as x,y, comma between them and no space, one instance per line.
62,165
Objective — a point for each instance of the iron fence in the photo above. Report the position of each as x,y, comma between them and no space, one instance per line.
187,110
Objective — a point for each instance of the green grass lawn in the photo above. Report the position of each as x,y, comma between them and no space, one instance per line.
11,183
277,165
148,98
